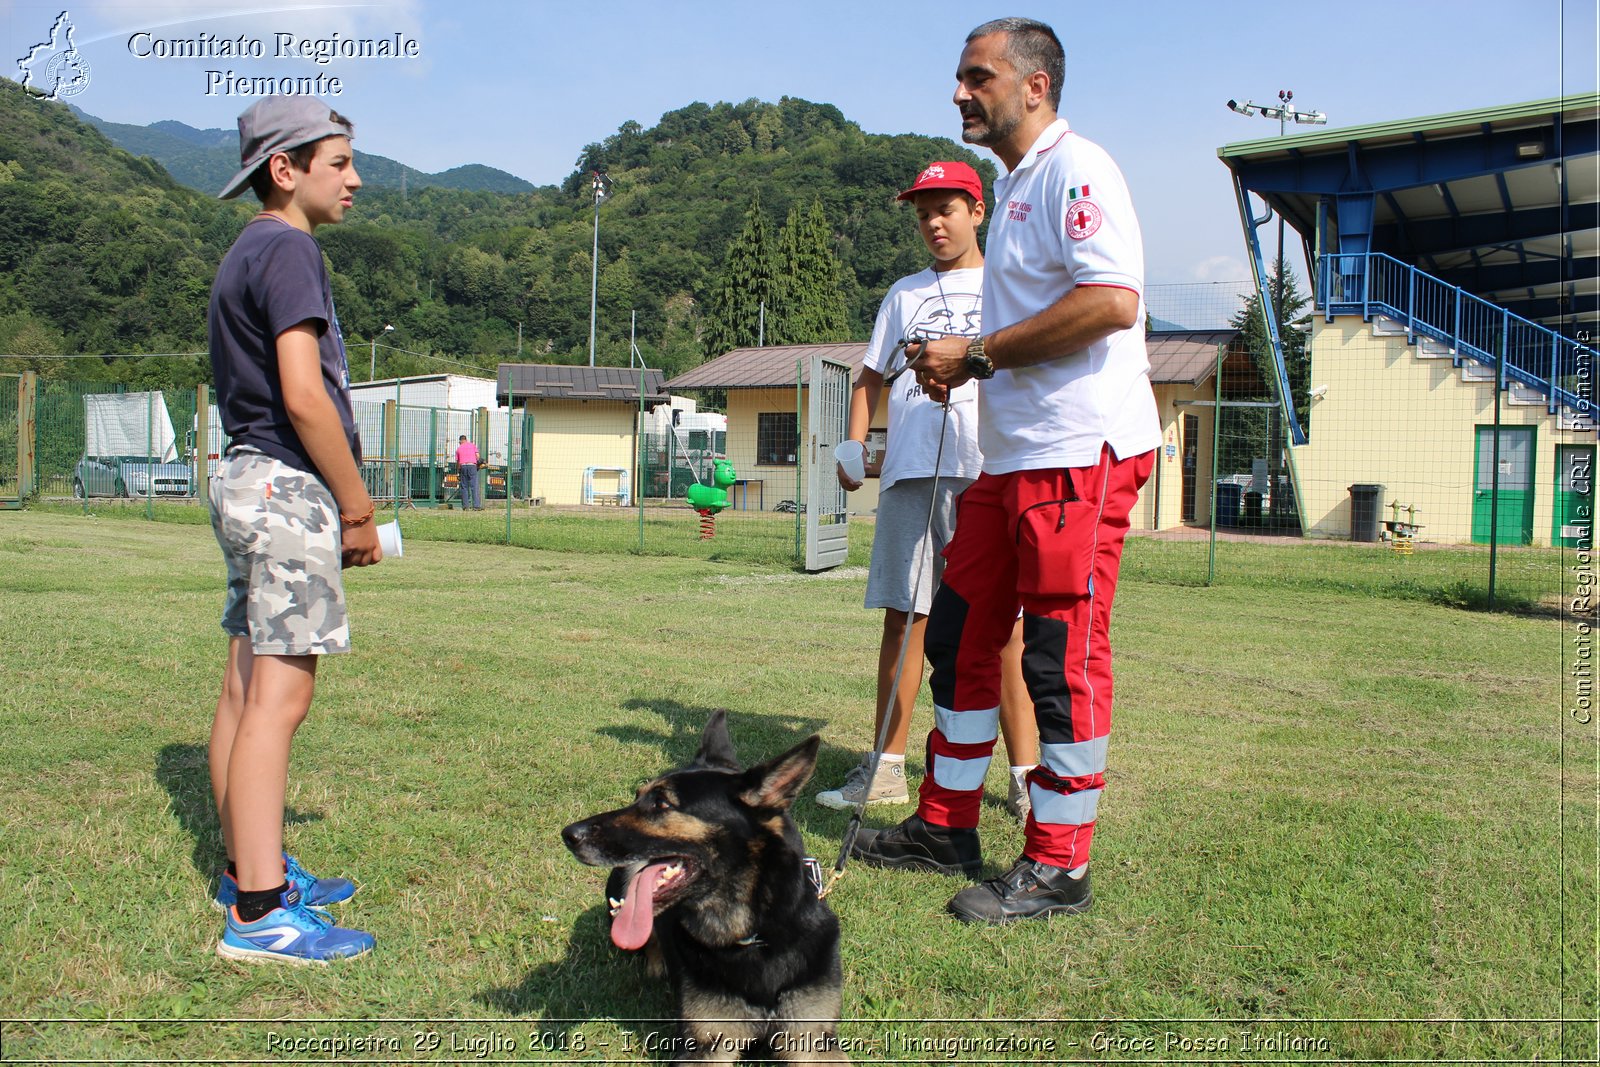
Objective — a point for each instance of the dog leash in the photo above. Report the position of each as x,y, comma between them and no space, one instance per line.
854,827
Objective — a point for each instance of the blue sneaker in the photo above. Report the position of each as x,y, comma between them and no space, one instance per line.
291,933
317,892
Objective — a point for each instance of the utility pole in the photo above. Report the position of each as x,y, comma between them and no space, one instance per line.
600,184
372,365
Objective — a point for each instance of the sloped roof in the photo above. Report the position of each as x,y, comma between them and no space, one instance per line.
1185,357
560,382
769,367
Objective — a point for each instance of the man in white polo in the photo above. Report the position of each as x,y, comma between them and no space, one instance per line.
1068,429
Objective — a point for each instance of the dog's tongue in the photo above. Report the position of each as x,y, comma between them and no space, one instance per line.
631,927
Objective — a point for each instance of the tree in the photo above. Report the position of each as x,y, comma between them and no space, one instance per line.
809,305
745,285
1287,304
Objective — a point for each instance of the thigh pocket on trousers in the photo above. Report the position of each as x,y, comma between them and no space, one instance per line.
1055,548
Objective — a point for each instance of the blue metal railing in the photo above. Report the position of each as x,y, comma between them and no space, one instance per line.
1372,283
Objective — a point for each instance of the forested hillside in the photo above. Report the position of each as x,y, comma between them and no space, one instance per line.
204,160
103,252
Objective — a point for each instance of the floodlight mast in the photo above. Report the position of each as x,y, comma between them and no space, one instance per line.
601,185
1284,111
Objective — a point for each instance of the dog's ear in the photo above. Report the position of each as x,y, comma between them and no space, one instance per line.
775,783
716,750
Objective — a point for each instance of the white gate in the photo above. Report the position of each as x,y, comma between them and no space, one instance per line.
827,513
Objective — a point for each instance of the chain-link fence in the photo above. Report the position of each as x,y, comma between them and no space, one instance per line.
1378,455
10,443
1394,465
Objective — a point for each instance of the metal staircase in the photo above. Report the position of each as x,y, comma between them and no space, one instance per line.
1442,321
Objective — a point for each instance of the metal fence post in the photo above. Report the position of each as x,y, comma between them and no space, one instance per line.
1216,447
1494,468
638,458
201,484
799,452
511,425
149,454
433,454
27,435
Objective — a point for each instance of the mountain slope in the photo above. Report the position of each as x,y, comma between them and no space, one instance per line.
205,159
104,251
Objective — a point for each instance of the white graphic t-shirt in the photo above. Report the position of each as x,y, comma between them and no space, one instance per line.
928,304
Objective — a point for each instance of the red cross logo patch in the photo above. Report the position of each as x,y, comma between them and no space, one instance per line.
1083,219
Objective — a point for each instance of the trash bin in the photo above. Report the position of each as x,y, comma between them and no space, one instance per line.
1365,500
1252,509
1228,503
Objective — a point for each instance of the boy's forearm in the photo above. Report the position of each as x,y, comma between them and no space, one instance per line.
322,434
863,402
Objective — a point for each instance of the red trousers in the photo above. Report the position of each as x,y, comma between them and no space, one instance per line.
1049,541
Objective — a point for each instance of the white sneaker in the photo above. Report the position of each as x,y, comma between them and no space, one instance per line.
888,786
1018,802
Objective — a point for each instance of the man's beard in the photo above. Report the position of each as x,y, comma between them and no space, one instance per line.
993,131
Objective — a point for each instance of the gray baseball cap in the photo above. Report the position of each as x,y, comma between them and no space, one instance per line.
277,124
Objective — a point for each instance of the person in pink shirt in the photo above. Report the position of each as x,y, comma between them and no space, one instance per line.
467,478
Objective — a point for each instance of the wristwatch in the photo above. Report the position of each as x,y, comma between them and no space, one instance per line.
979,365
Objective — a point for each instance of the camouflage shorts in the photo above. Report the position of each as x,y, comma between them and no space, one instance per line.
279,532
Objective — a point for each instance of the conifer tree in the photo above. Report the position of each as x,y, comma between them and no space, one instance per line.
745,284
1287,303
1258,432
809,302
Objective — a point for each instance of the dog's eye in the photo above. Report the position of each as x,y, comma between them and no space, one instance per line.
661,802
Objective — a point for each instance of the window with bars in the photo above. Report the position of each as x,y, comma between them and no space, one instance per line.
777,438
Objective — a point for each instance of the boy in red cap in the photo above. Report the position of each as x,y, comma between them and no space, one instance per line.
943,301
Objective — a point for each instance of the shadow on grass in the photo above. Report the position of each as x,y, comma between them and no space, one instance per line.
595,980
183,771
754,737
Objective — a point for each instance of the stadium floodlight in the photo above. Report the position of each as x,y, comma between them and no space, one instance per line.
1284,111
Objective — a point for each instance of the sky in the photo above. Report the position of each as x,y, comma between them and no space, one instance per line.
524,86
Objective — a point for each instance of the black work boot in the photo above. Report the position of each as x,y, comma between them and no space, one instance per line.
1029,890
914,843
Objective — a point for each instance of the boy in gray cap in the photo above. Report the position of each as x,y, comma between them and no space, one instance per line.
289,509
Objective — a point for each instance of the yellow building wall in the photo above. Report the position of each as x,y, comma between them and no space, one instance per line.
570,436
776,481
1160,505
779,481
1410,424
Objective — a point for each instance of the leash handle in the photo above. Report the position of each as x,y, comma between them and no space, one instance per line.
906,343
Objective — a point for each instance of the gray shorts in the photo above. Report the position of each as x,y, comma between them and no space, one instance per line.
279,532
906,548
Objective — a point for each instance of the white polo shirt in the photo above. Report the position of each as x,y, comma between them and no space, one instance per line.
1063,218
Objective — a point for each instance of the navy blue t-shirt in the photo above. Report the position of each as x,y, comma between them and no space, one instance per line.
273,279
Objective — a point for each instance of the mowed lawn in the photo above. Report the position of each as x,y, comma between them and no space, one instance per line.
1334,827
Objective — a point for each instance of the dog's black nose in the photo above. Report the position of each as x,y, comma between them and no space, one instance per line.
572,836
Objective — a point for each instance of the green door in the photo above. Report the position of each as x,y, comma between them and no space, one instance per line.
1574,501
1515,515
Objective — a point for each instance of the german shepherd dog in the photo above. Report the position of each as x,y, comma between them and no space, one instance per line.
709,875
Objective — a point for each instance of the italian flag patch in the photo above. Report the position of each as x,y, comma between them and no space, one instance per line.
1077,192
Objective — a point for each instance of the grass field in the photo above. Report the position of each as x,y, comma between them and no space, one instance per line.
1345,820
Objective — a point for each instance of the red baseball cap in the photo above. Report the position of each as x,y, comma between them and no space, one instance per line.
954,175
